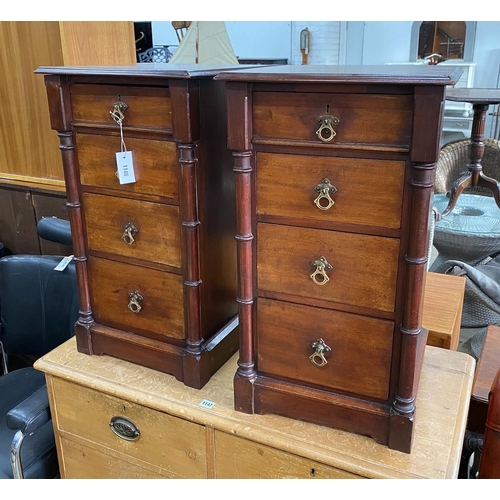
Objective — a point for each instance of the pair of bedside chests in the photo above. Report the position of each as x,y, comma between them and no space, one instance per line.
281,210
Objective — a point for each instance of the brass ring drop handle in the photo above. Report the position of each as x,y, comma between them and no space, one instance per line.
129,231
117,111
319,275
325,132
135,299
324,201
318,356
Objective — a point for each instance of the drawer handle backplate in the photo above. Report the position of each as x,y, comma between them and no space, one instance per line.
129,231
318,356
135,299
319,275
124,428
324,201
325,132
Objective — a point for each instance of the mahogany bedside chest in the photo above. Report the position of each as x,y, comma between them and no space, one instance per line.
156,258
334,180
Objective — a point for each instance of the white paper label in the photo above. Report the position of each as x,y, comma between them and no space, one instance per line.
207,404
64,263
125,165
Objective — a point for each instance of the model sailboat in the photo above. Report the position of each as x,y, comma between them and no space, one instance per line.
205,42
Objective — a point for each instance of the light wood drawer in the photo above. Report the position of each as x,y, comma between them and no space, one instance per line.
155,165
364,119
238,458
167,442
147,106
158,225
162,309
364,267
367,191
361,347
83,462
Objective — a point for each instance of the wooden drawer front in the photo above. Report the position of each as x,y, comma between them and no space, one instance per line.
361,347
158,238
162,305
364,267
238,458
155,164
378,120
168,442
147,106
83,462
367,191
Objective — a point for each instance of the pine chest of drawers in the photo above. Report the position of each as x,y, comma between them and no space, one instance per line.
156,258
334,178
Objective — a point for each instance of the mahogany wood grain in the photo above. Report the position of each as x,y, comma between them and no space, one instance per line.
486,369
155,165
361,347
147,106
162,307
184,253
376,201
158,238
378,253
364,267
294,117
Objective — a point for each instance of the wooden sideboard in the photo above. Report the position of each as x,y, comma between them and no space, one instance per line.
183,436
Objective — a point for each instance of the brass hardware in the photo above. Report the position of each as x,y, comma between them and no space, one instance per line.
322,266
319,349
135,299
327,122
117,112
325,189
129,231
124,428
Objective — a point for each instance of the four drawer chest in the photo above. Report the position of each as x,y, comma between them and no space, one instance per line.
155,258
330,203
334,180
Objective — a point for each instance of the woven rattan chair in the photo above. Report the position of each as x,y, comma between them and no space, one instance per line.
453,160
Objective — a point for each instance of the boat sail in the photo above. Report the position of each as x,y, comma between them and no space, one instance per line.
205,42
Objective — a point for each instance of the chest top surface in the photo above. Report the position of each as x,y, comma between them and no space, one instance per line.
410,75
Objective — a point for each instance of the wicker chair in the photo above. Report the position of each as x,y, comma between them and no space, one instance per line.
453,160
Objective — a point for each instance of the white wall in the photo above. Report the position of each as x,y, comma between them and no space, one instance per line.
250,39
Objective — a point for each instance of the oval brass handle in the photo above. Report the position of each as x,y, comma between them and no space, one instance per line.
135,299
129,231
324,201
318,356
325,132
319,275
117,111
125,428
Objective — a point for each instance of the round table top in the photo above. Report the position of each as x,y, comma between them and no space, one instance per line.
474,96
473,214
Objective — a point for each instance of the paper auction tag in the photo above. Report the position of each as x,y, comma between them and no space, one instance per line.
125,165
64,263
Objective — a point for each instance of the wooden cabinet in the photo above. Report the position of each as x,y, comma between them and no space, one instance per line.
156,258
178,431
28,148
334,177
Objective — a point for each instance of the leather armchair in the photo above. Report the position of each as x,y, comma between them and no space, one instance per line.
39,307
